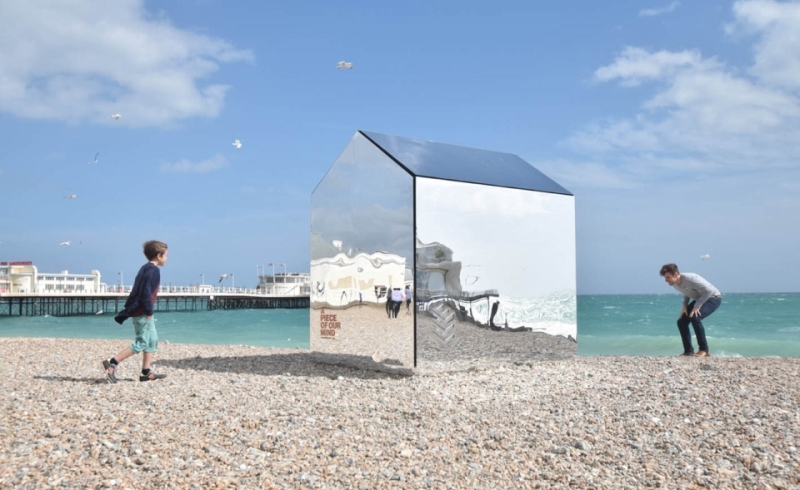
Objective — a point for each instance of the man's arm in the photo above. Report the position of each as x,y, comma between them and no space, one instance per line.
706,292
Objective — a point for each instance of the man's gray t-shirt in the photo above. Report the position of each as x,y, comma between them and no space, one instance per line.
695,287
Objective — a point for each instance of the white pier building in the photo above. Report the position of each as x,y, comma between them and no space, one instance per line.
22,277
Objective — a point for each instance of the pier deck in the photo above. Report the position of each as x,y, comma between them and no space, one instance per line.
91,304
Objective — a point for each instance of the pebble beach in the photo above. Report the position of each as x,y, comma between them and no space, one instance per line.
251,417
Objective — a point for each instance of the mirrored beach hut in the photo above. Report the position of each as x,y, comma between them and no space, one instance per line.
430,252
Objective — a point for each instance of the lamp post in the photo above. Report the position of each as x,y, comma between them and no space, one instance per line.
121,280
233,284
202,279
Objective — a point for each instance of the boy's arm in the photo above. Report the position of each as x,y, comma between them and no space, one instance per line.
150,282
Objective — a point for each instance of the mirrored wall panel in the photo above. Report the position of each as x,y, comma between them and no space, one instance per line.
495,272
362,261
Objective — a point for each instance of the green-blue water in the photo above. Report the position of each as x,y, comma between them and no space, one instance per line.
745,325
265,328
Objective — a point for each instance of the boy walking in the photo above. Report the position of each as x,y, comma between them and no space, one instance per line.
705,299
139,306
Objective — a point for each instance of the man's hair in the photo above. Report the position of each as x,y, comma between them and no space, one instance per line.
154,248
669,268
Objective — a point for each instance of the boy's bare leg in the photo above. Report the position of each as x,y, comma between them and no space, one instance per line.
123,354
147,357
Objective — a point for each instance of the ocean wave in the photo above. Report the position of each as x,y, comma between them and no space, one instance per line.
555,314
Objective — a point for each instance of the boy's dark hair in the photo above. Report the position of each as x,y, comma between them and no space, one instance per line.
669,268
154,248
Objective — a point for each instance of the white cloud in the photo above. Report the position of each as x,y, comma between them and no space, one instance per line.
185,166
659,11
78,61
705,117
636,65
777,53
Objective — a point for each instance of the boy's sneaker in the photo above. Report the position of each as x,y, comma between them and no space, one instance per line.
151,377
110,370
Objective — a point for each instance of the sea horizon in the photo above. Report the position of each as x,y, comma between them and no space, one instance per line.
746,325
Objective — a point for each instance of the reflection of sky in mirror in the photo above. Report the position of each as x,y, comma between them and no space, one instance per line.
463,164
365,200
521,243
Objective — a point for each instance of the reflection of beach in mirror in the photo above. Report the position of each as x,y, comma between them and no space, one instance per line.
364,332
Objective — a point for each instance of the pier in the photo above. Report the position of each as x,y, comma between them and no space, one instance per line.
174,299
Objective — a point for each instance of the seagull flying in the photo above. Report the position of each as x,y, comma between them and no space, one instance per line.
95,158
64,244
237,144
223,276
116,116
344,64
71,196
705,257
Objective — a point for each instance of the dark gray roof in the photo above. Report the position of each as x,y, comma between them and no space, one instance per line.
462,164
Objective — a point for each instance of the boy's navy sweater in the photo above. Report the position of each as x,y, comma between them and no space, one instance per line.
143,295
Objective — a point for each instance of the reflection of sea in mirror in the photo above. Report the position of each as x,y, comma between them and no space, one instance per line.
554,314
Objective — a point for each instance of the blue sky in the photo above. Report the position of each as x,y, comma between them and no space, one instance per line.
674,123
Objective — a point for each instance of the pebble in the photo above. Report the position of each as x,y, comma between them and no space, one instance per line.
251,417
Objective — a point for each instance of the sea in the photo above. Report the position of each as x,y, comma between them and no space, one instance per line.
746,325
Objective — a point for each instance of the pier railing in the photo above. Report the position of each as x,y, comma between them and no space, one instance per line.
199,289
70,304
434,294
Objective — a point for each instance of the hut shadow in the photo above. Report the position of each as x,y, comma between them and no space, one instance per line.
70,379
293,364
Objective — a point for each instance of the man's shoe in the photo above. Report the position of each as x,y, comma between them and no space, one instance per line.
110,370
702,353
686,354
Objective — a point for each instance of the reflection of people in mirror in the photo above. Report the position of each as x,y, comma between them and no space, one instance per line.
397,300
388,303
407,294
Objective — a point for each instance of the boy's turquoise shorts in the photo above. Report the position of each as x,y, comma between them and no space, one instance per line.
146,336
